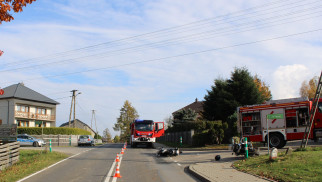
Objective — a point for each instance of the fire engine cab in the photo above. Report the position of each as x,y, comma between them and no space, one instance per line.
253,122
145,132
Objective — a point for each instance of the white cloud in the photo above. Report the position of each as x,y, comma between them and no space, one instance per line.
288,79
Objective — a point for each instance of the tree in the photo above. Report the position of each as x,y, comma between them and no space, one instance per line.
116,139
168,122
226,95
127,114
184,115
308,89
107,135
263,88
7,5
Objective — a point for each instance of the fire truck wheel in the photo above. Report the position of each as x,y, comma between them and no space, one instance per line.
276,140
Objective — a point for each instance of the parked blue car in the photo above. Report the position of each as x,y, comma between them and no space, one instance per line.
25,139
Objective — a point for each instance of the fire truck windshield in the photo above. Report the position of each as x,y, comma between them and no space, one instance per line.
144,126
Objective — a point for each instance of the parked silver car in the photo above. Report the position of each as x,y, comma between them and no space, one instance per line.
25,139
86,140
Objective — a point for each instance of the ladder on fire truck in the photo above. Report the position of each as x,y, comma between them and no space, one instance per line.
312,113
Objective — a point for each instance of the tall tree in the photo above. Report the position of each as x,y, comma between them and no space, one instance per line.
127,114
226,95
7,5
308,89
107,135
263,88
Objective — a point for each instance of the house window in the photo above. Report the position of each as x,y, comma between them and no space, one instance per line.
40,123
41,111
22,123
22,108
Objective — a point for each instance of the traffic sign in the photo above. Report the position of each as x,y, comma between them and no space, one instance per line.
275,116
1,91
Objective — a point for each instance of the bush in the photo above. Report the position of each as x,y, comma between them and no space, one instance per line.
200,139
52,131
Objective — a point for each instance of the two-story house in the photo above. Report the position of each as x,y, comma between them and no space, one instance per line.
27,108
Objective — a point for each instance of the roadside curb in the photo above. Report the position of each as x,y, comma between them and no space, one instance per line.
196,174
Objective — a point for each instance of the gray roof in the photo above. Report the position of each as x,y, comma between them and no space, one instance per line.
77,120
19,91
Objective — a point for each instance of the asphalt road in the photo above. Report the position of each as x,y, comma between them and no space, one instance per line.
137,164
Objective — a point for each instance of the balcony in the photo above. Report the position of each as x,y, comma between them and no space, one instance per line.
35,116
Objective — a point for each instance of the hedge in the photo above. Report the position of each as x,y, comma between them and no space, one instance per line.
52,131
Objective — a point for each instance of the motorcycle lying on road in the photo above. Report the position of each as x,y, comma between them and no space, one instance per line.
163,152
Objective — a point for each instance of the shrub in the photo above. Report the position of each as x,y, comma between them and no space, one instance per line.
200,139
52,131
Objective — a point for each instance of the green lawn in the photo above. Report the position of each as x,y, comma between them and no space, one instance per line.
30,162
297,166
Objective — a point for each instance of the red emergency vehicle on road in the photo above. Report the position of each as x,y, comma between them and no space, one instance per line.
252,121
145,132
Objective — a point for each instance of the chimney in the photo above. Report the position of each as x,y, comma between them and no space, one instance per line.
196,100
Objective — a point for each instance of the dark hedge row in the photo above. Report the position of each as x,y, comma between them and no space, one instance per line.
52,131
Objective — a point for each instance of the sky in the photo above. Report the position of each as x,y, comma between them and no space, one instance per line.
160,55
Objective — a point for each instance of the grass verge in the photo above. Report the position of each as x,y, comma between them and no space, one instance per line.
30,162
297,166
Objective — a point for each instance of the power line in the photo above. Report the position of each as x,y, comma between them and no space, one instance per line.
184,26
176,56
170,41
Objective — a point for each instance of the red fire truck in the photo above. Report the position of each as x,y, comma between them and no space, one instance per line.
145,132
252,122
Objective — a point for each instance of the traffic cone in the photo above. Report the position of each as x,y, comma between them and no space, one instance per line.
122,152
117,172
117,158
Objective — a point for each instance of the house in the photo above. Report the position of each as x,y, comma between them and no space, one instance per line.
196,106
27,108
79,124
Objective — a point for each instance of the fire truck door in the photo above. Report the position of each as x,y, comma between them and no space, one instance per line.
159,129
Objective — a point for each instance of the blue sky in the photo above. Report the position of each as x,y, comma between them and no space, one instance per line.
77,35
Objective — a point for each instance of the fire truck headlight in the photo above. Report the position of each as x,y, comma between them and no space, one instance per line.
138,134
150,135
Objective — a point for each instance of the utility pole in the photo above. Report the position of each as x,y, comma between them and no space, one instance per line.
94,117
73,103
93,114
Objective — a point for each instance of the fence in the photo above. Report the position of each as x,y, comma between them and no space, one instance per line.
62,140
175,137
9,154
59,140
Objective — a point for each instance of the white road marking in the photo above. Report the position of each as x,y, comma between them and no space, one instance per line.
114,178
52,165
179,164
109,174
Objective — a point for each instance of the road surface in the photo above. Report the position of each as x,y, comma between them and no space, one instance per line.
137,164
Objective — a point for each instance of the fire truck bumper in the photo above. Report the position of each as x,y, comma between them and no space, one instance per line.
143,139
